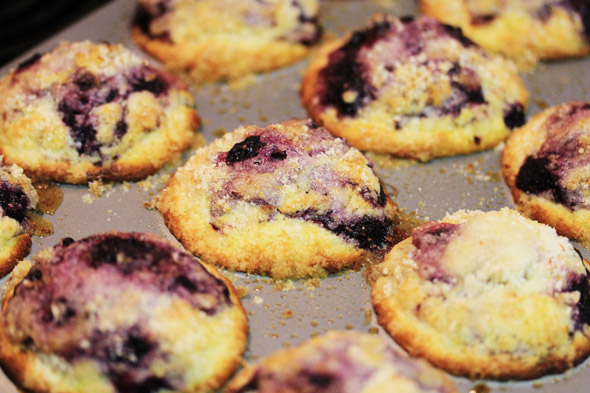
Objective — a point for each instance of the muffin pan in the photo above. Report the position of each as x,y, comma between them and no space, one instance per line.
284,314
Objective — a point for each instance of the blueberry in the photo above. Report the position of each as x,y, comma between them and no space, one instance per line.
13,201
535,177
120,129
278,155
85,81
185,282
66,241
321,380
244,150
154,85
514,116
34,275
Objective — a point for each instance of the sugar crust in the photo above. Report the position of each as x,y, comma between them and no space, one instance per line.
503,317
264,239
373,128
515,33
34,136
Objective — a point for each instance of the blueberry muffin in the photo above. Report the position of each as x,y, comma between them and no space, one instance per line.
286,200
343,362
17,198
120,313
546,164
86,111
413,87
487,295
212,40
524,30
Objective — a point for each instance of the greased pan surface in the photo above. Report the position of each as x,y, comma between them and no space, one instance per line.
286,314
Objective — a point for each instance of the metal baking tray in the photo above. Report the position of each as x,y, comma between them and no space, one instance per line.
287,313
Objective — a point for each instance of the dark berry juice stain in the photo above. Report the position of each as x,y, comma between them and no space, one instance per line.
370,233
581,315
345,73
128,254
535,177
13,201
431,241
244,150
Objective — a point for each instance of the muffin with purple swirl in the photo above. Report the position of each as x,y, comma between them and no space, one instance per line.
546,164
524,30
343,362
18,197
414,88
212,40
120,313
86,111
490,295
286,200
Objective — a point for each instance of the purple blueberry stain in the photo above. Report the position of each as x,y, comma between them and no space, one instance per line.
431,241
581,312
563,150
268,151
56,292
346,73
344,82
87,91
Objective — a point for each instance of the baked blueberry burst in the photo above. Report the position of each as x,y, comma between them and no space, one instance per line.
287,200
106,313
90,111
